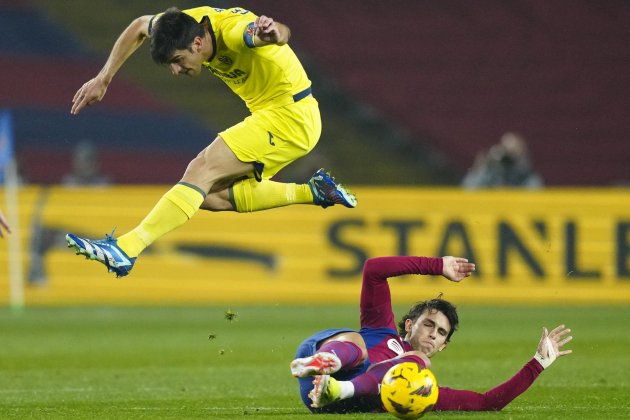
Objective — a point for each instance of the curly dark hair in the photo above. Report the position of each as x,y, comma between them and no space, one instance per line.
437,304
174,30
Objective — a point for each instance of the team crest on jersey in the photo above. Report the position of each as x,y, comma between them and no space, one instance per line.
395,346
226,60
249,34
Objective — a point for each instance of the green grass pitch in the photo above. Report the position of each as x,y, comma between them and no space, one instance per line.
191,362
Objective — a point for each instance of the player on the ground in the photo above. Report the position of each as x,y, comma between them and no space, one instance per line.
250,54
339,370
4,225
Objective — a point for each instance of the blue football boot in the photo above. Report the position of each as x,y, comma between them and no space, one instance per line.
328,193
105,251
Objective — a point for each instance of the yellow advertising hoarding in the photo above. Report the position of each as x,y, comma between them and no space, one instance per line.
551,246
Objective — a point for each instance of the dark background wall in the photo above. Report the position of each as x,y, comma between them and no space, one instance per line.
409,93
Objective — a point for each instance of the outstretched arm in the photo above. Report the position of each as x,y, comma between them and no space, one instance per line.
128,42
456,268
376,306
3,225
549,349
550,345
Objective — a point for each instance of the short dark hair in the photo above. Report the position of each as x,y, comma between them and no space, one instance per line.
174,30
437,304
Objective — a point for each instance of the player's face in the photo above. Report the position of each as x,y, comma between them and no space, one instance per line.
189,61
428,333
186,62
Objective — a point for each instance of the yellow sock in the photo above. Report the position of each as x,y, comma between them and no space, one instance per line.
174,209
249,195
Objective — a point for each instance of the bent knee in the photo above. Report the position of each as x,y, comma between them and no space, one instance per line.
197,164
352,337
218,201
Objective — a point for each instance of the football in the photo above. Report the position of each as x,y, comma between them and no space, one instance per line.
408,391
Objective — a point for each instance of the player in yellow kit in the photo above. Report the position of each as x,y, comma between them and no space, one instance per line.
250,54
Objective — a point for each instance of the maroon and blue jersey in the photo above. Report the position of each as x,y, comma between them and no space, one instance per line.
378,325
378,329
378,322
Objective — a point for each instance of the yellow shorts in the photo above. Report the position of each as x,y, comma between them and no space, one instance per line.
273,138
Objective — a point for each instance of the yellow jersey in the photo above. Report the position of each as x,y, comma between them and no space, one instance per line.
264,77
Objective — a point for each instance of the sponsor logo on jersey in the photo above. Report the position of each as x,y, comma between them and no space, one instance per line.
231,75
226,60
395,346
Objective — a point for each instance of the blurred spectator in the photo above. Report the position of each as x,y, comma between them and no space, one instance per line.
86,169
4,225
21,178
506,164
85,172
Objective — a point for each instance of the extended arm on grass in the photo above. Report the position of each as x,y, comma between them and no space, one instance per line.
549,348
550,345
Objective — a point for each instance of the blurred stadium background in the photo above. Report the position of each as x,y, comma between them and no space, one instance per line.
409,95
428,84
